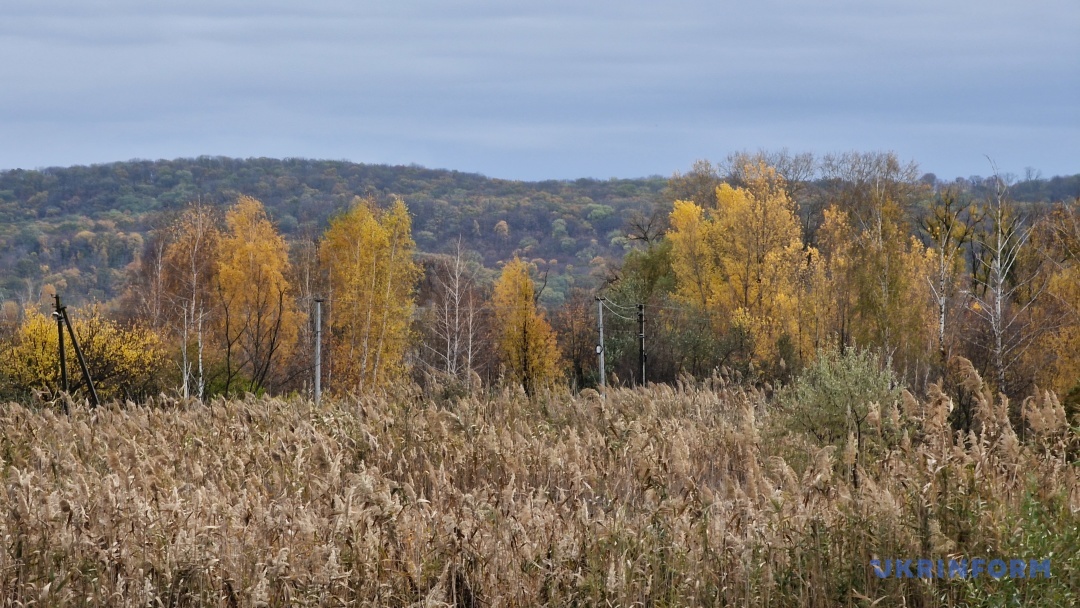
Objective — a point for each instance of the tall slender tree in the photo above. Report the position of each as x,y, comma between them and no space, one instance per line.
190,270
452,341
1058,312
948,225
1000,296
373,277
887,267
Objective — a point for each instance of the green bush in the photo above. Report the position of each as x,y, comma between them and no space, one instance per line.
839,396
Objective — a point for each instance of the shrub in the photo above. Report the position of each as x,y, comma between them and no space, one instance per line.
838,398
125,362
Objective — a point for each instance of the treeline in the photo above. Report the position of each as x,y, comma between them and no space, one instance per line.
218,304
752,268
771,259
80,228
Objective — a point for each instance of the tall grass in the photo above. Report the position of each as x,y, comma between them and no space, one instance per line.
687,495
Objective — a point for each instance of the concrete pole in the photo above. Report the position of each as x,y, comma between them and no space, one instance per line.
318,350
600,347
641,341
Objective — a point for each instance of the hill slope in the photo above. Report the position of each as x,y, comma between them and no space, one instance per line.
78,228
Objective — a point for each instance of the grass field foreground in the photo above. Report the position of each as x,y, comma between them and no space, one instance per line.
698,494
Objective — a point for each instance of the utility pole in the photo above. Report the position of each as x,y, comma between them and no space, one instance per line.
62,320
318,350
600,347
641,341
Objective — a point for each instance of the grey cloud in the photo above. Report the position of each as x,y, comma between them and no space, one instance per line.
539,89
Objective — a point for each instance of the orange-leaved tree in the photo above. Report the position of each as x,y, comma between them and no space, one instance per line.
257,320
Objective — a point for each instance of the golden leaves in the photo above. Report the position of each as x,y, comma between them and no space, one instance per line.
526,340
369,254
122,360
258,312
741,258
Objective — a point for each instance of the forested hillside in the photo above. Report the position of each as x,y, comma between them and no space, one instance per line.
78,228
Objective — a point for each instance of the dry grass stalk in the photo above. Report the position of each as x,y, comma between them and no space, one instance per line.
665,496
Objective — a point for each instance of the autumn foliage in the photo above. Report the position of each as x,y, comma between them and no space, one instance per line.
258,319
739,260
525,339
124,362
756,265
371,281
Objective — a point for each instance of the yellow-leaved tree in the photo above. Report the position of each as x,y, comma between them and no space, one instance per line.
694,255
836,239
1055,354
740,261
526,341
880,290
257,319
372,281
124,362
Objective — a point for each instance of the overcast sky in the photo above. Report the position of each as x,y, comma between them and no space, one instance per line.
542,89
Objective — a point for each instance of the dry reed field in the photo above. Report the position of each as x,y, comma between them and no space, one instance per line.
687,495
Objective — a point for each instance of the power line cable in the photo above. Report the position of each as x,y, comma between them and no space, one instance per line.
612,311
612,303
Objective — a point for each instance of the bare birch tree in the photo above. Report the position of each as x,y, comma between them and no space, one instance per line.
996,286
190,269
453,333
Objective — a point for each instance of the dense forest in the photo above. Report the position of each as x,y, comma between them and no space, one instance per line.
752,266
80,227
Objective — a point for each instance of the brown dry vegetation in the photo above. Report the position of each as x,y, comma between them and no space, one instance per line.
664,496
